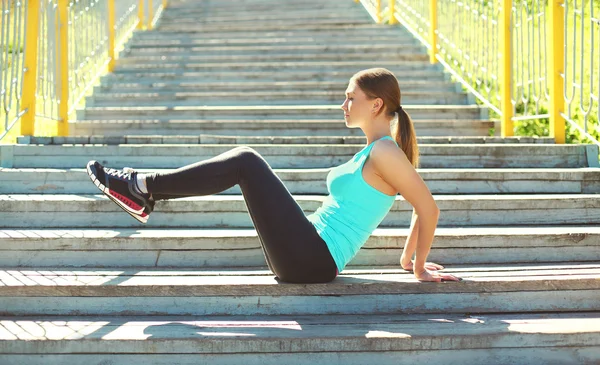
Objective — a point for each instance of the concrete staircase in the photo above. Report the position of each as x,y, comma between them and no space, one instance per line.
81,282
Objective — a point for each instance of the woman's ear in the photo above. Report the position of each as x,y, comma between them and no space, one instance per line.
377,106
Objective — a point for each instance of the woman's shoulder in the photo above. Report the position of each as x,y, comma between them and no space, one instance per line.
385,147
388,158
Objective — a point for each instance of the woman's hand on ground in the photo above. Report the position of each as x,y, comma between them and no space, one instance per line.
435,276
428,265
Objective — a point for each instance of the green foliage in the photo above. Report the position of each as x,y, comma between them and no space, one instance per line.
540,127
529,3
575,136
531,127
11,48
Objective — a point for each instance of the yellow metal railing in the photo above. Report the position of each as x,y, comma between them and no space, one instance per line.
48,66
525,60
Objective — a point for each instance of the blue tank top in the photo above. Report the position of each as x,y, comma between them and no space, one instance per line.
352,210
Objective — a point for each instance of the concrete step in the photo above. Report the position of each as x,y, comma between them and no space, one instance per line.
264,5
214,48
352,32
156,56
340,25
201,15
248,13
191,53
201,23
269,128
545,338
264,13
242,8
299,156
265,76
229,7
159,40
144,86
230,211
210,248
312,9
286,68
312,181
335,8
306,112
316,97
273,140
256,5
236,291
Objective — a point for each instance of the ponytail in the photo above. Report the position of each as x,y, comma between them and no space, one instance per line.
404,134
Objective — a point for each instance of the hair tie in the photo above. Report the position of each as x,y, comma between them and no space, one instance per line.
399,109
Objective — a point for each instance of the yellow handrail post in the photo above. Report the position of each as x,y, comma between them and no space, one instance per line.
505,69
141,14
150,15
63,61
556,42
393,12
433,30
111,35
30,75
378,10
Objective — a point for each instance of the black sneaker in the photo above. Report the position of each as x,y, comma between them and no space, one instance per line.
118,185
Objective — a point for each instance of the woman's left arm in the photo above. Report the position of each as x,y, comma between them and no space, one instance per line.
411,243
393,166
406,261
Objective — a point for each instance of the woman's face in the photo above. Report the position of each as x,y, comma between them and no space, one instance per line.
357,108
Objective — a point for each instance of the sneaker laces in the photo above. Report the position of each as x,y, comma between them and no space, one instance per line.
122,174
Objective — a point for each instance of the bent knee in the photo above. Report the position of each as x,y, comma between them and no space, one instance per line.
246,150
248,154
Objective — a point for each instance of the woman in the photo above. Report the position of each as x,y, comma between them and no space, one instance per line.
313,248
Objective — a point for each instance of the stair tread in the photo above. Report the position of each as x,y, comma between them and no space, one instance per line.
312,180
248,282
516,172
204,139
320,66
284,123
309,47
157,93
441,198
77,233
253,84
286,333
118,236
330,150
280,107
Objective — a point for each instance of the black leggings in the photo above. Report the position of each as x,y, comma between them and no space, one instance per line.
293,249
